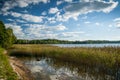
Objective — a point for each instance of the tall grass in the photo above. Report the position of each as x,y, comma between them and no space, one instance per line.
106,57
6,71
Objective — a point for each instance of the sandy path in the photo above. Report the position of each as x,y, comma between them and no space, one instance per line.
22,71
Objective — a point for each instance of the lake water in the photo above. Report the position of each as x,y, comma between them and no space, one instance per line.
88,45
44,68
49,69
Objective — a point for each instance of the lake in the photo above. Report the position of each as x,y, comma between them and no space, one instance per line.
88,45
49,69
48,62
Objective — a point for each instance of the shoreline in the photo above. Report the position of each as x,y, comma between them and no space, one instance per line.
20,69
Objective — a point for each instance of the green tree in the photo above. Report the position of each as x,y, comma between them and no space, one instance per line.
7,38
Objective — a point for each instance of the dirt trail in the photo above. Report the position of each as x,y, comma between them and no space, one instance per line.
22,71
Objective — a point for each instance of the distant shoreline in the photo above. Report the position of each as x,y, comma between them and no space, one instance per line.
55,41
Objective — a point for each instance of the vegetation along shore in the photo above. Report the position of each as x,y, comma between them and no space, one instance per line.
105,57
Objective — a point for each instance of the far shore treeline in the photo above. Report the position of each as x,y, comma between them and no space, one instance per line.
55,41
7,38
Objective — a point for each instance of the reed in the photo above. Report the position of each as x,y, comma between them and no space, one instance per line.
106,57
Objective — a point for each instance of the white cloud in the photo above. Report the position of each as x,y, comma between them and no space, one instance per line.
20,21
38,31
87,22
20,3
17,30
53,10
110,25
97,24
25,11
70,34
39,27
59,2
10,19
116,19
32,18
117,22
75,9
66,16
68,0
15,14
17,20
69,15
27,17
62,1
44,13
60,27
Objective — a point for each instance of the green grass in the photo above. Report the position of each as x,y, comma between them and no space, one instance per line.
6,71
106,57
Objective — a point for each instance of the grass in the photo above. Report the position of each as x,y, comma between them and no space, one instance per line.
106,57
6,71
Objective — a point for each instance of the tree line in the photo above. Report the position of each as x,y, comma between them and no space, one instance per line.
7,38
55,41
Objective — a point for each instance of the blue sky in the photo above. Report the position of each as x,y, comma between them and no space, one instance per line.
62,19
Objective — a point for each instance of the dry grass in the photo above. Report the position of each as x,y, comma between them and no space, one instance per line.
107,57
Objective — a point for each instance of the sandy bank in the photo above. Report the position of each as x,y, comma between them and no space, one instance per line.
22,71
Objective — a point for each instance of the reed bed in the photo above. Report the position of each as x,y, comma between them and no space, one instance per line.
105,57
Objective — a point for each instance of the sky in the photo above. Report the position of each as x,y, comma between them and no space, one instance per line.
62,19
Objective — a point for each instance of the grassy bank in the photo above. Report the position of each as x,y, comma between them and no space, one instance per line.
106,57
6,71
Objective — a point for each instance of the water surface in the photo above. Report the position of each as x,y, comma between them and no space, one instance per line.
49,69
88,45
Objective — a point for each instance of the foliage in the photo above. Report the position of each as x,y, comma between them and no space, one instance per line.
6,71
7,38
55,41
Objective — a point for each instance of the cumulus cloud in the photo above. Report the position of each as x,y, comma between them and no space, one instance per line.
20,3
117,22
53,10
62,1
10,20
117,19
16,20
70,34
38,31
68,0
17,30
86,7
75,9
38,27
87,22
20,21
27,17
97,24
59,2
110,25
44,13
66,16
